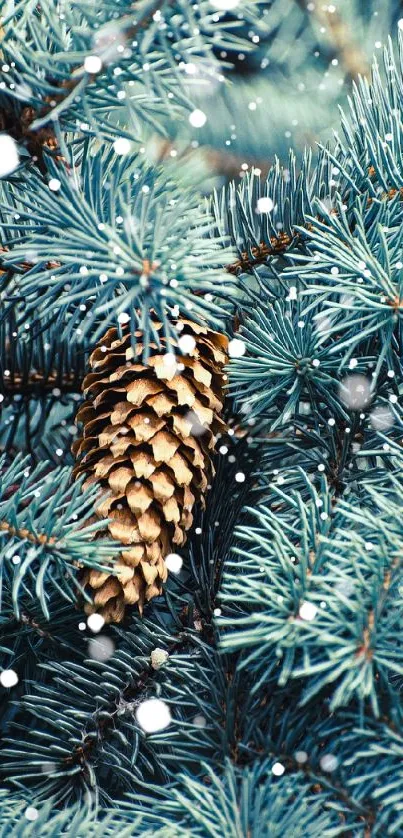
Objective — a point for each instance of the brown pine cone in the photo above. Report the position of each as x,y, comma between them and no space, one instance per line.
148,434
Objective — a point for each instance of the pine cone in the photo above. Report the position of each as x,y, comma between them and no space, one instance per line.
148,433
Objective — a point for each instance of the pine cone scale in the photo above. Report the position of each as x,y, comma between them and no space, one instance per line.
148,432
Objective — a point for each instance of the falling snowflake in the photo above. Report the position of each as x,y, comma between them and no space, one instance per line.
278,769
8,678
31,813
236,348
9,157
101,648
381,418
355,391
197,118
173,562
329,762
264,205
153,715
95,622
307,611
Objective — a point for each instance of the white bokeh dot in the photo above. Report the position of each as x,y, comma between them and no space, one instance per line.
301,757
328,762
8,678
31,813
153,714
236,348
92,64
95,622
197,118
264,204
200,721
355,391
122,146
307,611
9,156
186,344
174,562
101,648
54,184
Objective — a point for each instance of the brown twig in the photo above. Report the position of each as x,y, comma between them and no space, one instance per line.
278,244
27,535
41,380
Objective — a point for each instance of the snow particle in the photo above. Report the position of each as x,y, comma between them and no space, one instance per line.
9,157
381,418
197,118
101,648
8,678
307,611
54,184
173,562
186,344
122,145
264,205
95,622
153,715
31,813
278,769
355,391
236,348
328,762
239,477
92,64
301,757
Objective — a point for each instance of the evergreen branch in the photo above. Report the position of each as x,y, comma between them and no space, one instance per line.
41,545
122,267
30,638
19,819
101,747
249,802
67,89
320,565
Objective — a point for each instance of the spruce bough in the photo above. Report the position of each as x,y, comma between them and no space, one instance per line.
260,692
